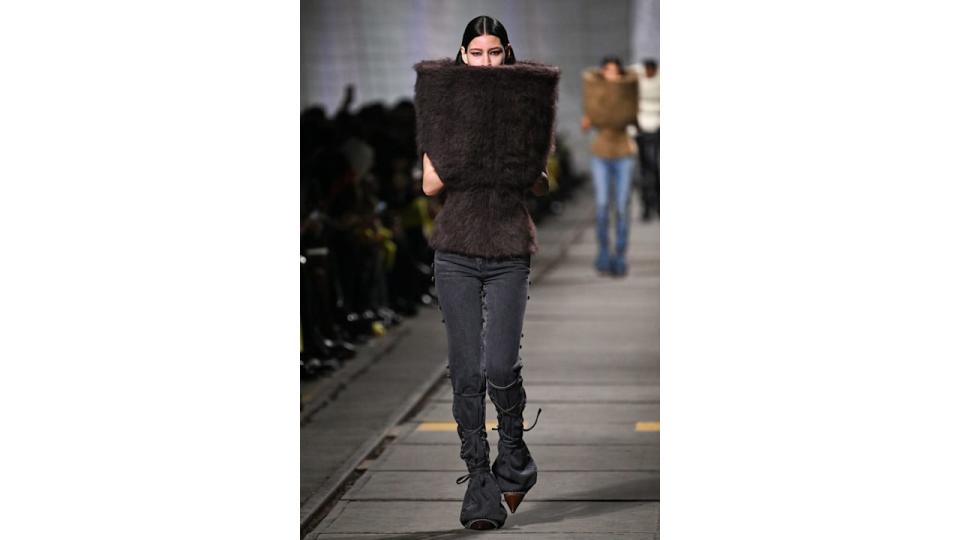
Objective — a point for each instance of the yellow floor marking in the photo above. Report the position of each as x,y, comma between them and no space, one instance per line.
647,426
450,426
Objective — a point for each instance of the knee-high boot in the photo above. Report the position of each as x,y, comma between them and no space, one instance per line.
481,507
514,468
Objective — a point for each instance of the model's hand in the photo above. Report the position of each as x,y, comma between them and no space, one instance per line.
585,122
432,184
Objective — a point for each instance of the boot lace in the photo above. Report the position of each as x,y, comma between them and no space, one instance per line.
510,410
474,471
535,420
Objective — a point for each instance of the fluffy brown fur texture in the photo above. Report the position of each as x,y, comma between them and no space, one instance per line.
488,132
610,104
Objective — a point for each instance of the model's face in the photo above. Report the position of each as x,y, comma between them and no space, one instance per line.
484,51
610,71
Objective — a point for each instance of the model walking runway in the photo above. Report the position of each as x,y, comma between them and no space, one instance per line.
485,126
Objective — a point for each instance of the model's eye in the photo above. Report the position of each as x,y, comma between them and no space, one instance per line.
496,53
475,53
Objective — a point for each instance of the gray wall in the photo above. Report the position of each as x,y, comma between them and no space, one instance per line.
373,44
645,29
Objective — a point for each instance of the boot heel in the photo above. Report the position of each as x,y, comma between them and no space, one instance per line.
513,499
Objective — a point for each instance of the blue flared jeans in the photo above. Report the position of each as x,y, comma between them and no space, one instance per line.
612,175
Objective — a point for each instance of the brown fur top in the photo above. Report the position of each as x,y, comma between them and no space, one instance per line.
610,104
488,132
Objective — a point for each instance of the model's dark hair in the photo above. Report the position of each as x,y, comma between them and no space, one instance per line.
650,63
486,26
612,60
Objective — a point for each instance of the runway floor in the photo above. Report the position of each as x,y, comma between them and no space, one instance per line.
591,362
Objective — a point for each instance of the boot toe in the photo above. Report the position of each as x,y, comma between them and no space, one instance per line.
482,508
482,524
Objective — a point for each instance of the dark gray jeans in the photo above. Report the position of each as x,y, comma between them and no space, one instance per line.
483,302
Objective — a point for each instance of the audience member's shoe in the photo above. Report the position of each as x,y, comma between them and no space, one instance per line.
342,350
306,373
389,317
360,328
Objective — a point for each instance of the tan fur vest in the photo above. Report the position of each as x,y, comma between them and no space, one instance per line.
611,107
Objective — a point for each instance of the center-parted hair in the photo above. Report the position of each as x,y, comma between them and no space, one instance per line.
485,25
